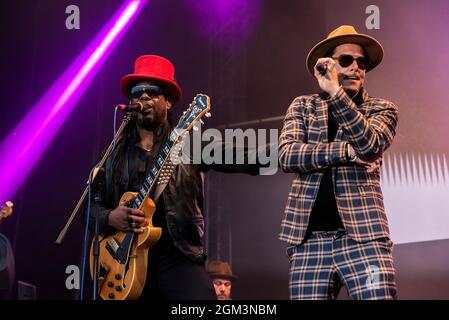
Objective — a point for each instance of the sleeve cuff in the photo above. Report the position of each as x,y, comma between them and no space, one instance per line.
338,153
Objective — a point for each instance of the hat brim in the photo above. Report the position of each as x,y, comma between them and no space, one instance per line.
129,80
372,47
224,276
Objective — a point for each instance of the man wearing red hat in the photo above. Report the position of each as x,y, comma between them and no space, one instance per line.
176,263
335,221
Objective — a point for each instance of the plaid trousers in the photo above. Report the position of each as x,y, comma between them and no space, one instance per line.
328,260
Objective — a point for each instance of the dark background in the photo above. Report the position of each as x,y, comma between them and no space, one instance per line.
249,56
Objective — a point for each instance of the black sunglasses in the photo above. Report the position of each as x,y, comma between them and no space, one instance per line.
345,60
151,91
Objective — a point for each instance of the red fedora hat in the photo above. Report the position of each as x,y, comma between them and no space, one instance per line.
153,68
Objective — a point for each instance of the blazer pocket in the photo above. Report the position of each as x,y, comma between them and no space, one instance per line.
368,190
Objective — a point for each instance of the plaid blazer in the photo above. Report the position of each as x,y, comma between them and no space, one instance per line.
304,149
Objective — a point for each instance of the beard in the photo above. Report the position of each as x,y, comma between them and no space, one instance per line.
150,121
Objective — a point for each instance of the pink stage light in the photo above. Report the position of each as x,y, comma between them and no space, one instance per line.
23,147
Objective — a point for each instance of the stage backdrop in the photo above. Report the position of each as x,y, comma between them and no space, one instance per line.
249,56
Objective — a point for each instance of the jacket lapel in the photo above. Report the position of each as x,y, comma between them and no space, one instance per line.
322,117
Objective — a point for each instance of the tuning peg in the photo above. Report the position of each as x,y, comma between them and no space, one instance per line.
208,114
184,112
201,121
195,128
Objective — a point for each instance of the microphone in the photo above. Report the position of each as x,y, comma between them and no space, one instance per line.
321,68
138,106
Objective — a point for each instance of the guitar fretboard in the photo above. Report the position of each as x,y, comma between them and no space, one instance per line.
149,182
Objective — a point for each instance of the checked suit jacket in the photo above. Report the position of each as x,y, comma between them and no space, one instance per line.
369,128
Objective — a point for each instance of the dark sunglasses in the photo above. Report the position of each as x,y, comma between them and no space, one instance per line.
151,91
345,60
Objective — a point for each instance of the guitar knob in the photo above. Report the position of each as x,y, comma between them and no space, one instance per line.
110,284
118,276
111,296
118,288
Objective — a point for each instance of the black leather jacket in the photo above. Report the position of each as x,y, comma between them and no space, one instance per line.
183,200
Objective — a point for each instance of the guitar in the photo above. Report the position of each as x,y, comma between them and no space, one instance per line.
123,256
6,210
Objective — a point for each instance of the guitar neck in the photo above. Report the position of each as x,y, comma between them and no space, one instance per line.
161,160
199,106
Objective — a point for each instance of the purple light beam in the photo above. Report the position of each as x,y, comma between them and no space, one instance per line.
22,148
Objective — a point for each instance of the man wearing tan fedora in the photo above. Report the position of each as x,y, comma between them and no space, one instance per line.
335,222
221,274
176,263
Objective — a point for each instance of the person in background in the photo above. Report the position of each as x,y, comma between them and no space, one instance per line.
221,274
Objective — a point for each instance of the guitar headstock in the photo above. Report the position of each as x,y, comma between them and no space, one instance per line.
199,107
6,210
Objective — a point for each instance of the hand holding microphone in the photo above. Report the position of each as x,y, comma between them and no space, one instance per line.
324,65
327,76
321,68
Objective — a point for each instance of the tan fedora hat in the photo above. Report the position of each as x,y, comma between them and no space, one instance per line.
342,35
220,269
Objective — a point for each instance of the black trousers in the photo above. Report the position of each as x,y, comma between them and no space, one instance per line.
172,275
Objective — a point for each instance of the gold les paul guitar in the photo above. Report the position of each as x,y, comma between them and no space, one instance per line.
123,257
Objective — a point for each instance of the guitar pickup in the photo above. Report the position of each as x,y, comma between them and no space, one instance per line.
116,250
113,246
